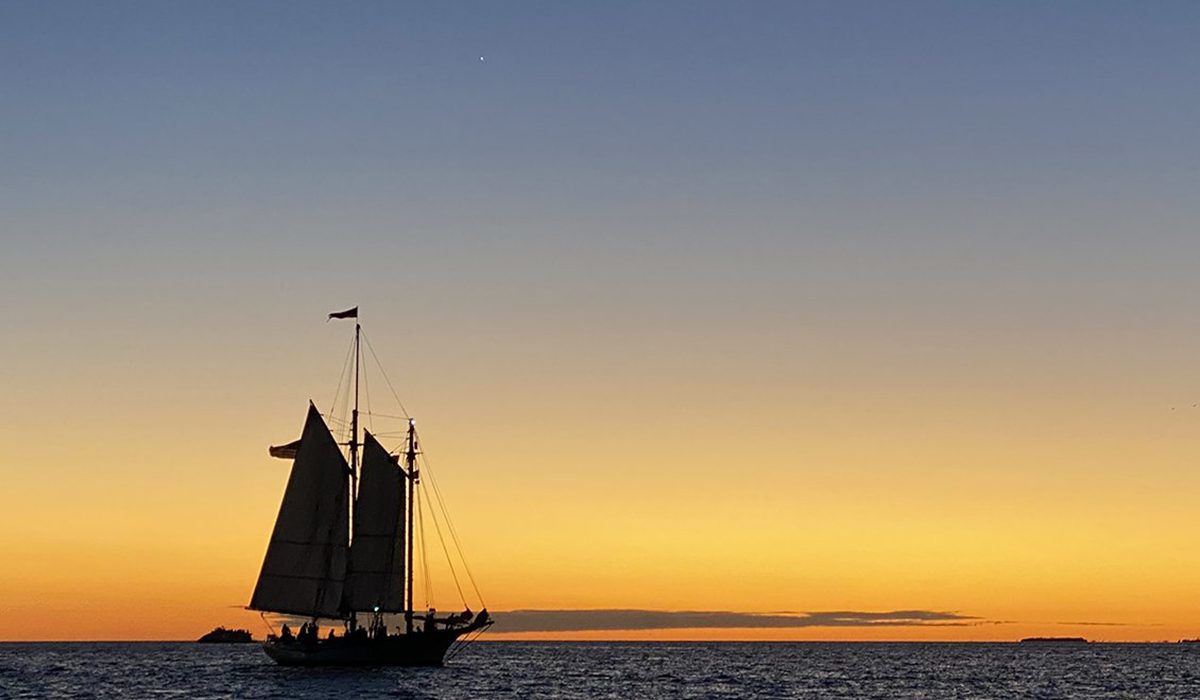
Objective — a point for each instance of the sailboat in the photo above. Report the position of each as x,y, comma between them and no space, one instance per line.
342,550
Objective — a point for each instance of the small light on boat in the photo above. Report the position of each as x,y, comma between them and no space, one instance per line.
376,608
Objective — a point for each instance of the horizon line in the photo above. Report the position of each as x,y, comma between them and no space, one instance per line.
508,640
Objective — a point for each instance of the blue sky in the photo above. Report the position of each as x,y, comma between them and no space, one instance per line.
991,166
688,134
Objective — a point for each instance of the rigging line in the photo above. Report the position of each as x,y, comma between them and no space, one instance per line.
424,561
460,644
450,526
348,423
341,378
453,534
267,622
437,492
336,410
449,561
385,377
367,393
385,415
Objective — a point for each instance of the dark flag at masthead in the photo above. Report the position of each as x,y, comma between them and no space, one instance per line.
348,313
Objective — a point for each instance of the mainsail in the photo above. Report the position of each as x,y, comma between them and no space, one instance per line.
375,581
305,565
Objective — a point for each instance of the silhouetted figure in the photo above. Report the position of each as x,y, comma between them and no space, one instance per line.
464,617
308,633
429,621
286,633
482,617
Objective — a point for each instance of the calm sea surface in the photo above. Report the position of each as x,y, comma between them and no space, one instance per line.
617,670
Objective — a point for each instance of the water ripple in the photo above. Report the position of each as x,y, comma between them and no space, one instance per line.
828,671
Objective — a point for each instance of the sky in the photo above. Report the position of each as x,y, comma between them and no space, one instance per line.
879,317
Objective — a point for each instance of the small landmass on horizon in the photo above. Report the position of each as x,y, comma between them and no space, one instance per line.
220,635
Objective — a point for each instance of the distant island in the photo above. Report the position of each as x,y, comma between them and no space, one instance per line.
223,636
1054,640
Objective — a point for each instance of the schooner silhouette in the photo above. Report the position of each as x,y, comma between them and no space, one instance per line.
343,546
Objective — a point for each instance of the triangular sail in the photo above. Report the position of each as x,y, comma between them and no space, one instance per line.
303,571
376,574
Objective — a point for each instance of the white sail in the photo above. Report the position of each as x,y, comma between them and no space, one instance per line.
303,571
375,580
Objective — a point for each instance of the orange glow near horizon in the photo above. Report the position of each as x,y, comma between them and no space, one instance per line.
150,520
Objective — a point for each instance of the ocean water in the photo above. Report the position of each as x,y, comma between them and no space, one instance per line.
616,670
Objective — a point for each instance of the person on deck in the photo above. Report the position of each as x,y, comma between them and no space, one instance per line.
429,621
286,633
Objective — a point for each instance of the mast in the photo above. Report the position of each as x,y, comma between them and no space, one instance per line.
410,460
354,448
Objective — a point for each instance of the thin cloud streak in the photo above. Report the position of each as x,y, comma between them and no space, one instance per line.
1105,624
621,619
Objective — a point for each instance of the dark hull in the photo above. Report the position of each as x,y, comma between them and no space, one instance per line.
416,649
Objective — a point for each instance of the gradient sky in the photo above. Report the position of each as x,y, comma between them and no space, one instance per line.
701,306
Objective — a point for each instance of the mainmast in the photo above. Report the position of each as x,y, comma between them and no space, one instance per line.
352,497
354,445
410,460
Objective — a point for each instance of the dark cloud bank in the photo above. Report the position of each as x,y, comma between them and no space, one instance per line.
591,620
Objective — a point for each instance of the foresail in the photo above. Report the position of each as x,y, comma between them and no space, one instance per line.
376,573
304,569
